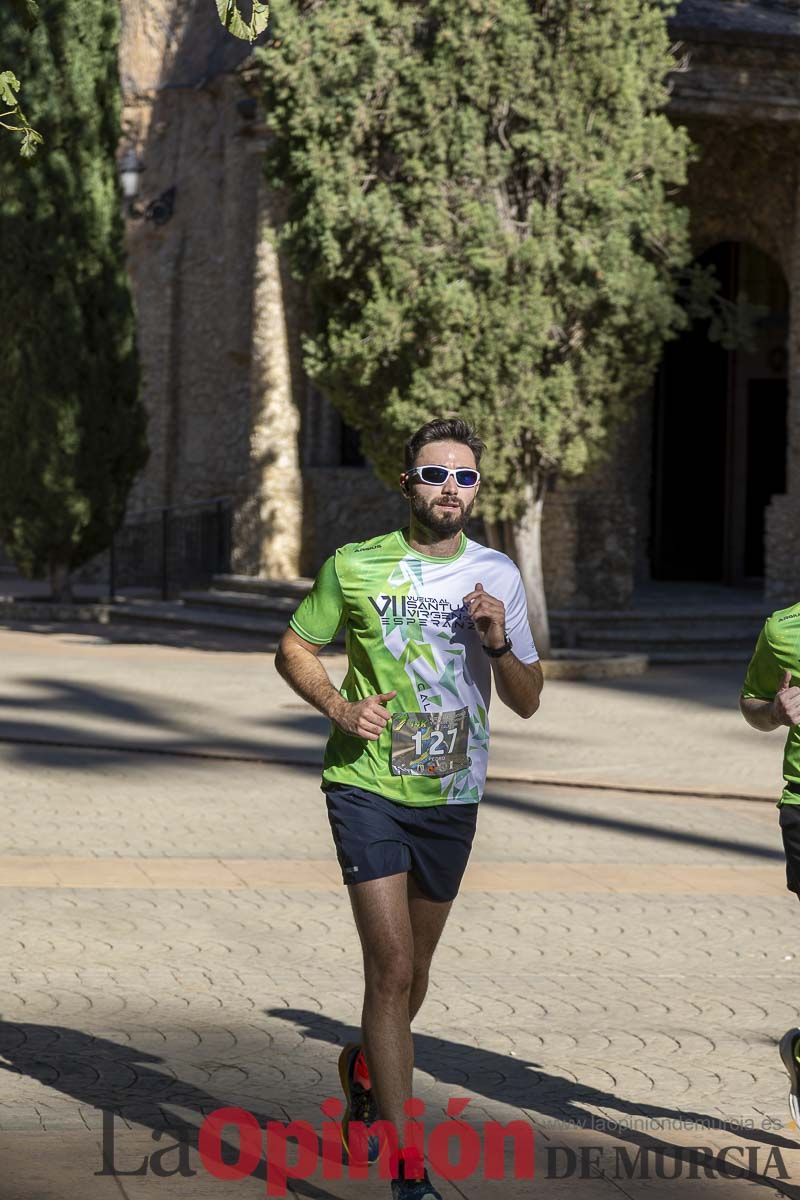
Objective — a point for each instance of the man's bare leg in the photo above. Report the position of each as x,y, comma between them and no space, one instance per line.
428,919
399,928
380,908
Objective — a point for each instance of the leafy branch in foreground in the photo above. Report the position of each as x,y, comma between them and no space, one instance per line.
235,23
9,87
27,13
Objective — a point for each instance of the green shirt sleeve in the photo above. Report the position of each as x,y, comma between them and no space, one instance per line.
321,613
765,673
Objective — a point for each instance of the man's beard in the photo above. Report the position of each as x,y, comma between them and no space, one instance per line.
444,522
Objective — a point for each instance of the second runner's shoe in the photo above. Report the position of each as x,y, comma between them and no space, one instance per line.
789,1046
358,1094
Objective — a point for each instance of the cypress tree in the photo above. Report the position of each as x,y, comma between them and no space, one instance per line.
72,429
481,203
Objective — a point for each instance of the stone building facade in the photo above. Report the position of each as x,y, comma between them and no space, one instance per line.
702,483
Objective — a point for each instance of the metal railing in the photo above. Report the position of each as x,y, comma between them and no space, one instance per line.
172,548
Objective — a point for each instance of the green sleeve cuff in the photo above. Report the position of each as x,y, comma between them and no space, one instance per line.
298,629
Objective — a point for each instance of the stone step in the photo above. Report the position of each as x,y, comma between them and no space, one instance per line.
275,605
647,614
646,639
686,657
233,618
185,616
255,585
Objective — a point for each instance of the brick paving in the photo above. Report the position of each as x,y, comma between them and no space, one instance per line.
616,971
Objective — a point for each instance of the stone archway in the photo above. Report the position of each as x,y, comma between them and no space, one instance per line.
720,432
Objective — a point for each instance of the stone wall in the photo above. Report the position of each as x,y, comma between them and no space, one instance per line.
783,514
345,504
217,315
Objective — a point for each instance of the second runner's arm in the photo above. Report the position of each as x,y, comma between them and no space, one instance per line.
783,709
769,700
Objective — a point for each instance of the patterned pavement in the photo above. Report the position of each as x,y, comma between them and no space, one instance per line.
615,973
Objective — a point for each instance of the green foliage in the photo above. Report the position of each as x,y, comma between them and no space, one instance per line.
234,22
71,426
481,201
9,87
27,13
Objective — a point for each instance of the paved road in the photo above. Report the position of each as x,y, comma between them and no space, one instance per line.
616,971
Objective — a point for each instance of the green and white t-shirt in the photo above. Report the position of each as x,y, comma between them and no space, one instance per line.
407,630
778,651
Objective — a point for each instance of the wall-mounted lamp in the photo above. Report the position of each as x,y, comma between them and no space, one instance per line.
160,210
130,168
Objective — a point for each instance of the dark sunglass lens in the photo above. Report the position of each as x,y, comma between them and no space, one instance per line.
466,478
432,474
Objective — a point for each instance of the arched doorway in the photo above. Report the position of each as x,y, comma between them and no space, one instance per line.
720,433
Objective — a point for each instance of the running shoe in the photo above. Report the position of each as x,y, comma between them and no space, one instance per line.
790,1047
358,1094
414,1189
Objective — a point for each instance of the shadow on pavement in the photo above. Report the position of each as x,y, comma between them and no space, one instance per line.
143,721
129,1084
134,1086
570,816
521,1084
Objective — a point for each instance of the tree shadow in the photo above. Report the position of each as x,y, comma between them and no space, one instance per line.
131,1086
148,724
521,1083
680,837
154,734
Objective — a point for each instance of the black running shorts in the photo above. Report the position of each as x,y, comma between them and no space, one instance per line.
376,837
790,828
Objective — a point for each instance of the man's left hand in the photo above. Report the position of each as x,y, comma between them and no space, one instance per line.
489,615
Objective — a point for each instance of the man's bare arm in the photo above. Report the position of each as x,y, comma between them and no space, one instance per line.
297,661
519,684
783,709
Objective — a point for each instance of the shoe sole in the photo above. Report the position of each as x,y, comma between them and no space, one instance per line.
344,1079
786,1049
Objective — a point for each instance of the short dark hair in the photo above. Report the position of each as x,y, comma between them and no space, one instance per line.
443,429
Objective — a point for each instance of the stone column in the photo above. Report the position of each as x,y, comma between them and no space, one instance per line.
269,519
782,570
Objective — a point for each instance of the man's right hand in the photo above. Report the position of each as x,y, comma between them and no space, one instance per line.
786,705
367,718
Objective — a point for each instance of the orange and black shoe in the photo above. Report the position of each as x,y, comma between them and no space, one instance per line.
357,1090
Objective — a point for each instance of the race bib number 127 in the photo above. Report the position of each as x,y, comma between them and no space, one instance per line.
431,744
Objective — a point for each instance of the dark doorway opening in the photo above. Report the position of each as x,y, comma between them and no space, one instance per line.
720,433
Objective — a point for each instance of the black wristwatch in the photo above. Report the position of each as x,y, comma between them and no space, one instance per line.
501,650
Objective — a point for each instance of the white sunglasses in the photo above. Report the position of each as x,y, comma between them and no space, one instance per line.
465,477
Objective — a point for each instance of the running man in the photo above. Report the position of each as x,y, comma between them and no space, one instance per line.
430,617
770,700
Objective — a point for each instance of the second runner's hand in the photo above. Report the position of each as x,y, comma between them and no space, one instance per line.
786,705
364,718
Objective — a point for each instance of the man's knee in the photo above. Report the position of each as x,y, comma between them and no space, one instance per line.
390,974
